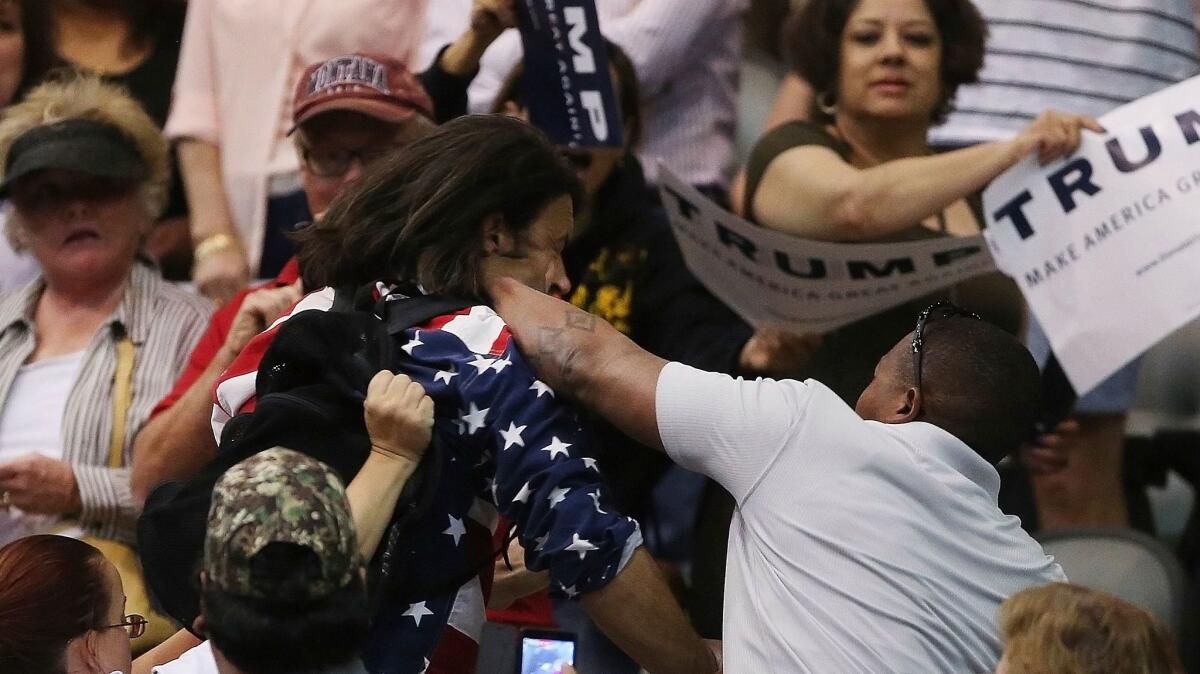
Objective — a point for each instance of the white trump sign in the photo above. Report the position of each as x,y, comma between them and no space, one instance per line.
1104,243
780,281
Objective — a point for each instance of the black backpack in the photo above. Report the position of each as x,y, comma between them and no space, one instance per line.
310,388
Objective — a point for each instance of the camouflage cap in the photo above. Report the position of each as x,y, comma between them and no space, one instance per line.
279,496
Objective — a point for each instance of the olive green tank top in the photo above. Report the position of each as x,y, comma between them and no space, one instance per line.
847,357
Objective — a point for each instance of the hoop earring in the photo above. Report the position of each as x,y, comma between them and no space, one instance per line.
826,103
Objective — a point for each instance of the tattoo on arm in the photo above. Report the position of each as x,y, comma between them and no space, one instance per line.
559,350
581,320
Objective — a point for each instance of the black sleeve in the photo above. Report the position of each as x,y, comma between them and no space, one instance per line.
679,319
448,92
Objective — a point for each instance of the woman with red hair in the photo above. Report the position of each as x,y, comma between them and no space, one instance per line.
62,609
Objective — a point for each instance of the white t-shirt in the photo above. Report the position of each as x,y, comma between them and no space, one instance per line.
31,423
856,546
198,660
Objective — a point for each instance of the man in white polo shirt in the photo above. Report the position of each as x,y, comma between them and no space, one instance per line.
865,540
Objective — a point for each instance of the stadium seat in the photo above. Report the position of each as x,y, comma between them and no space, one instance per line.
1125,563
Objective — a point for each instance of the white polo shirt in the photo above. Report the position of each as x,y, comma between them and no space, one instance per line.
856,546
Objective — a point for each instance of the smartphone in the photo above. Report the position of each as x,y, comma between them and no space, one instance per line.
546,651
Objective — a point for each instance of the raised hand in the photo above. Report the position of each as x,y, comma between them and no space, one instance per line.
399,416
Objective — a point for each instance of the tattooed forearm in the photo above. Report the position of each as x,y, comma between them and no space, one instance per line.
559,352
581,320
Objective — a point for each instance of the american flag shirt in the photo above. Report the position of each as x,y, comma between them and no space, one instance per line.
509,446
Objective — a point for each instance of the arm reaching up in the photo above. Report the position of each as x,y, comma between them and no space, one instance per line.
704,417
399,420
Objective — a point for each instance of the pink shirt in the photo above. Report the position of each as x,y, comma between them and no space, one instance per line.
238,68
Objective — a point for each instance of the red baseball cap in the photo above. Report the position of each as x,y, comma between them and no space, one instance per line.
377,86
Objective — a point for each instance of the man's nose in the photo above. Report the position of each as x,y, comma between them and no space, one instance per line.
560,284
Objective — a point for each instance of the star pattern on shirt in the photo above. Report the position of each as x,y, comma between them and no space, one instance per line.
471,419
556,447
523,495
456,529
482,364
417,611
481,385
596,499
512,436
413,343
557,495
580,545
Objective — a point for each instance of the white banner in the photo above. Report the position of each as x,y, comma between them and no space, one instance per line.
1103,243
775,280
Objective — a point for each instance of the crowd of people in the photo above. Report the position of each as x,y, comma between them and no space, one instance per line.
317,355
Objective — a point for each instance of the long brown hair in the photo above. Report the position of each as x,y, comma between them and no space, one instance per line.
52,589
418,215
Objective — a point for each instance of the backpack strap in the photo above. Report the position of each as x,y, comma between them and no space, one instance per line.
399,312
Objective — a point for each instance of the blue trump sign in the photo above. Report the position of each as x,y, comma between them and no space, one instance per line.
566,85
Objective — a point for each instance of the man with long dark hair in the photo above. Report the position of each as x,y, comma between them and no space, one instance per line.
480,198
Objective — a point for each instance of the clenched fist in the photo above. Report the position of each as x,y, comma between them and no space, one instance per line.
399,416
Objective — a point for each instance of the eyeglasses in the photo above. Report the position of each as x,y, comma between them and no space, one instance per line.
941,309
334,164
134,624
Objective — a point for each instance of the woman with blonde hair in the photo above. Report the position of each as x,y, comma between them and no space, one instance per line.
1064,628
89,346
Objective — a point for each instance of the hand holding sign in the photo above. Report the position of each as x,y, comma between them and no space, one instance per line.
489,18
777,281
1054,135
1104,244
567,87
776,353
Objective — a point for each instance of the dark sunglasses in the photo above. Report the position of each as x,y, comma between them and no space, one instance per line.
943,309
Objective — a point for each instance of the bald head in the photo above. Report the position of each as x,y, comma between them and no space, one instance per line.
977,382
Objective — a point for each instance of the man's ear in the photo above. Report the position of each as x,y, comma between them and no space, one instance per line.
908,408
497,238
199,625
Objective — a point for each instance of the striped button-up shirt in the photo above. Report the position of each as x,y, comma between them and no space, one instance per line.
164,323
1080,56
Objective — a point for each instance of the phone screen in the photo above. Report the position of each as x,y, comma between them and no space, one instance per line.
545,656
